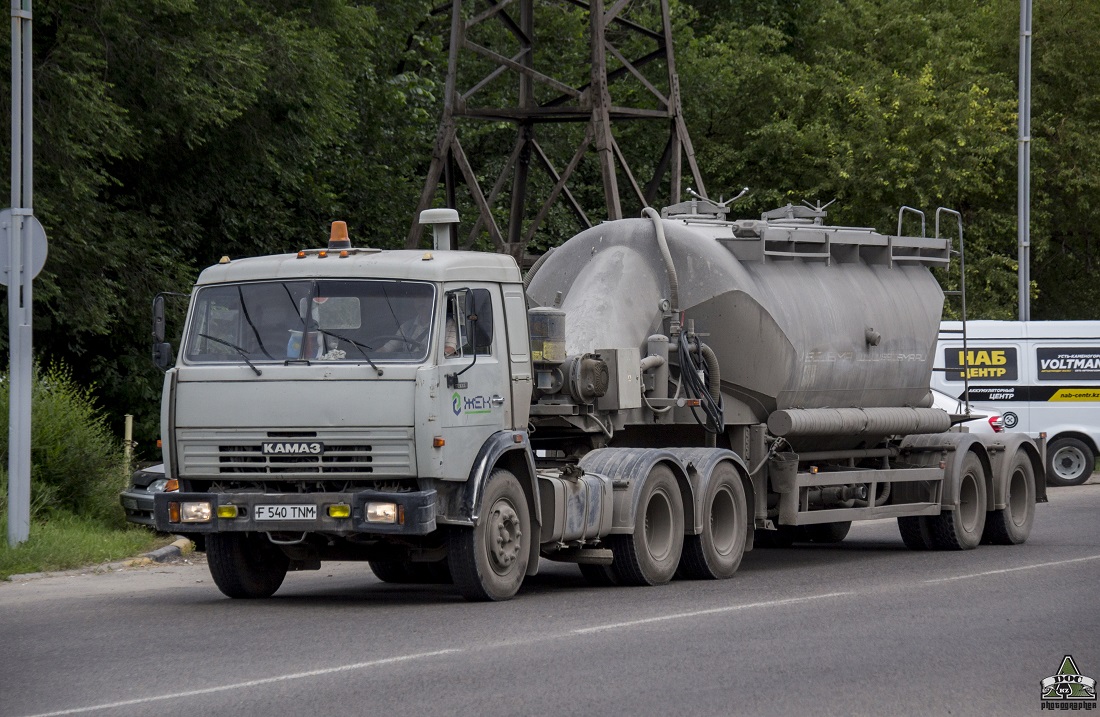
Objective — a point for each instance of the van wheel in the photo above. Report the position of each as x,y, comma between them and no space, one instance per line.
489,561
962,528
1069,462
716,552
1011,525
651,554
245,565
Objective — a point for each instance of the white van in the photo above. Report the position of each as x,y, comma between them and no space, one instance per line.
1039,375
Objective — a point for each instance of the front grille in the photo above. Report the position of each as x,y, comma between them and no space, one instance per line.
373,453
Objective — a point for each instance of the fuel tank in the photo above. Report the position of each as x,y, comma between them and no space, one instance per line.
800,314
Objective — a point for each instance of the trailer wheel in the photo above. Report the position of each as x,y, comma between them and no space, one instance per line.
489,561
961,529
651,554
1069,462
716,552
828,532
245,565
601,576
1011,525
914,532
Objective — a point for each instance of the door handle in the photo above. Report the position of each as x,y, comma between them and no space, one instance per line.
497,400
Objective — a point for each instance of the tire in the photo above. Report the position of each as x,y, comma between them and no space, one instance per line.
601,576
1011,525
489,561
651,554
915,533
828,533
245,565
962,528
1069,462
716,552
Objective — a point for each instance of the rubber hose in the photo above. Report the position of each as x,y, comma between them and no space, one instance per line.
535,267
713,372
673,282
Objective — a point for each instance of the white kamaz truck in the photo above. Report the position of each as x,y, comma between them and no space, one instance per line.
652,398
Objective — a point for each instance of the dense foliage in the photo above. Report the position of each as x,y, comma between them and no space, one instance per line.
171,132
76,464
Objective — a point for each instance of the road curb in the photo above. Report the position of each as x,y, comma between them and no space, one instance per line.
178,548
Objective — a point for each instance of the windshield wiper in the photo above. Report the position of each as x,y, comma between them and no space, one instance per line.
356,344
255,331
235,347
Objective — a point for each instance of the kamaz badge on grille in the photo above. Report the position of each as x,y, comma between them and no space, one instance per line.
292,448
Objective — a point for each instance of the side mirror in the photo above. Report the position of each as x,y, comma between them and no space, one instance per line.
158,318
470,309
162,355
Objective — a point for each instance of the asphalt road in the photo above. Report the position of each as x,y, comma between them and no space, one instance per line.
863,628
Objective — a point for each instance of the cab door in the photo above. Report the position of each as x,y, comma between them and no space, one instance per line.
474,395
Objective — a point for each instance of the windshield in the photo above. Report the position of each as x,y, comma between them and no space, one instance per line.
346,320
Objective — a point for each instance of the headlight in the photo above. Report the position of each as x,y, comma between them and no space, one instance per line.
158,486
381,512
195,512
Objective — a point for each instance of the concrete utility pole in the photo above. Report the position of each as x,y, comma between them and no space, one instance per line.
1023,199
24,249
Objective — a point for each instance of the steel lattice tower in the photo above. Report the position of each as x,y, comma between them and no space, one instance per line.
617,90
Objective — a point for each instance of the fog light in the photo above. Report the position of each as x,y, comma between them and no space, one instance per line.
339,511
195,512
227,511
381,512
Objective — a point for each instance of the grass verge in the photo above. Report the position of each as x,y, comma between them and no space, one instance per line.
66,541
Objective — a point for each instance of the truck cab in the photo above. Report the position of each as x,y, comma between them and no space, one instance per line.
344,393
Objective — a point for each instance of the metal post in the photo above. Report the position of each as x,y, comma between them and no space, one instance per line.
1023,199
19,288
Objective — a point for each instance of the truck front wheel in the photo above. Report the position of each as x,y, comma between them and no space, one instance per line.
245,565
651,554
489,561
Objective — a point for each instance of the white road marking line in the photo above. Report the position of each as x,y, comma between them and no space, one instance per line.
711,611
1013,570
250,683
580,631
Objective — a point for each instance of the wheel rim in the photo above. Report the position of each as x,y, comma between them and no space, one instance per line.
1068,462
723,519
658,526
504,536
1017,498
968,502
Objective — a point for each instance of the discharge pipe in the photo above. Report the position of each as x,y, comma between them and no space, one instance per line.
673,282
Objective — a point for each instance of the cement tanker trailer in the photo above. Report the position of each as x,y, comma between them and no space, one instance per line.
653,398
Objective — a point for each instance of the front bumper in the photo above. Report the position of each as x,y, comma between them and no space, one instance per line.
417,508
138,504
